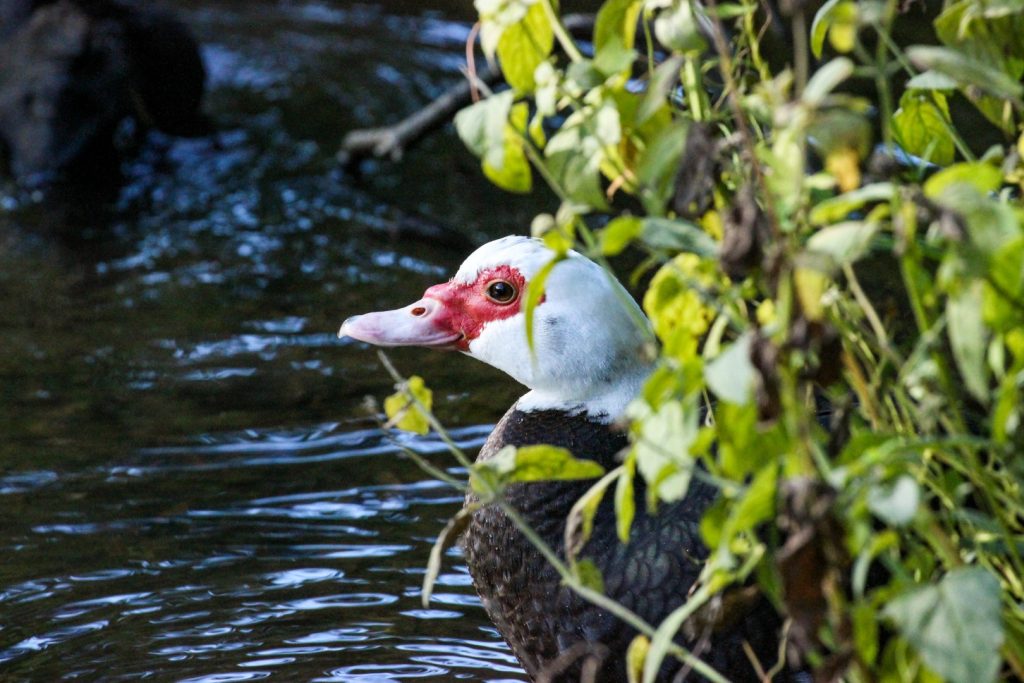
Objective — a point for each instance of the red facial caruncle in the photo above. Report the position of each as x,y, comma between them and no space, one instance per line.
449,315
496,294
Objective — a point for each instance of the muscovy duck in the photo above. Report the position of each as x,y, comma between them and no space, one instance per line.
587,364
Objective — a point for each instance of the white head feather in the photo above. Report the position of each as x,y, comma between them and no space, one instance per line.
589,347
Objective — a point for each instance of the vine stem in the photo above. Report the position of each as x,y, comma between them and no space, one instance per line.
604,602
434,423
881,77
568,577
722,48
564,39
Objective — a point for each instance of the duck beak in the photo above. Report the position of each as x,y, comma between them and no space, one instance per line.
424,323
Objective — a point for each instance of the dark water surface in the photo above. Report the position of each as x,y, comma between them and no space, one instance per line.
190,488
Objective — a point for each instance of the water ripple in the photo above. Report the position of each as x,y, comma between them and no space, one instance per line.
380,673
49,639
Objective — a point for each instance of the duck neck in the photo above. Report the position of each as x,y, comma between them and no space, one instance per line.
598,400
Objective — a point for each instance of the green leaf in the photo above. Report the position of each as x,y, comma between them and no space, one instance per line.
1004,289
991,222
619,233
931,80
838,20
865,630
608,123
493,130
729,10
523,46
635,655
922,126
615,35
966,71
589,575
895,504
844,242
663,449
573,159
514,172
838,208
826,79
538,463
534,293
810,285
731,375
678,235
664,78
625,501
979,175
659,166
757,504
616,23
446,539
968,337
677,28
579,524
614,59
955,625
989,32
405,407
742,447
481,126
495,17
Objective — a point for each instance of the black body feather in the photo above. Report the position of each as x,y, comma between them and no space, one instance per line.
553,631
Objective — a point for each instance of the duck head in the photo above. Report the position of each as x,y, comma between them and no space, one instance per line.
588,354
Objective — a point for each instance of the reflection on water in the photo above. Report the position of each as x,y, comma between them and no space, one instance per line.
188,487
243,554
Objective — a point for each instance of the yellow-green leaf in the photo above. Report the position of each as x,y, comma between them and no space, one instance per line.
921,126
625,499
537,463
446,539
979,175
589,575
968,337
810,287
635,655
838,208
523,46
405,408
580,522
844,242
615,34
618,234
838,20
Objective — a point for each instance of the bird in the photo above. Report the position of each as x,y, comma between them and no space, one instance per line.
588,361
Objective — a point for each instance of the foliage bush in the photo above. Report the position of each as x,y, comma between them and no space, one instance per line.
827,230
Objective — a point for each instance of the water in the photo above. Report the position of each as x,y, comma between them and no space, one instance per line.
191,487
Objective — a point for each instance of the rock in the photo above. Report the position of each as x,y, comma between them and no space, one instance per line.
72,70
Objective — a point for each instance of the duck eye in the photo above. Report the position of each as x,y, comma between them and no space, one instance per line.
501,292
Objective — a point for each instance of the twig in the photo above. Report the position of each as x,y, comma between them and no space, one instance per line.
732,89
392,141
474,94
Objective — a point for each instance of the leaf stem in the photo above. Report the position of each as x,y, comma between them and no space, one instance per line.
603,601
564,39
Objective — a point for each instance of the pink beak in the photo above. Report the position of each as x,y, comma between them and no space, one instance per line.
419,324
